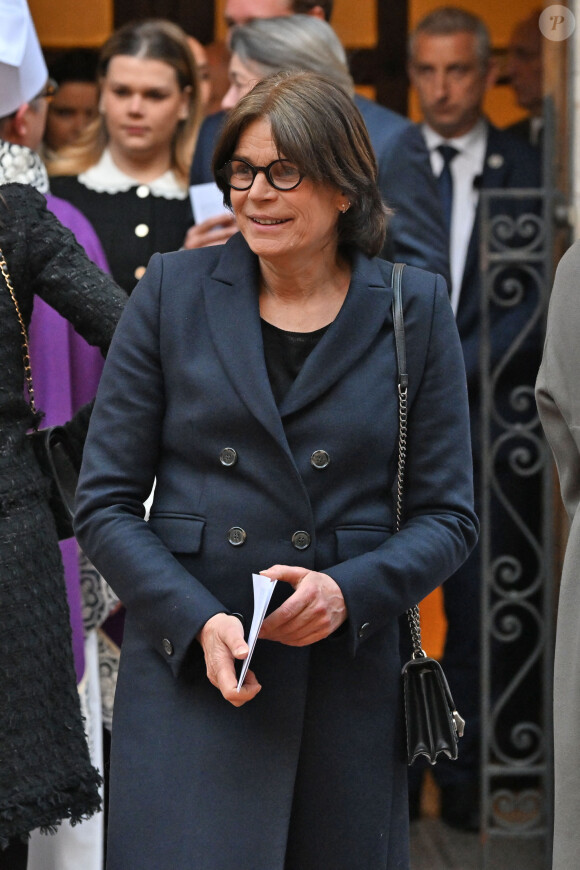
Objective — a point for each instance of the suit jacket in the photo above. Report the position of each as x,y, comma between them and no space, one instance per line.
509,163
416,230
523,129
558,397
185,379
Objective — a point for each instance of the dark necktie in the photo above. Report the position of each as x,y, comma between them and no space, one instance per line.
445,182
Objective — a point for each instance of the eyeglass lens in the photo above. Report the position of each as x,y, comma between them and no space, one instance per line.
281,174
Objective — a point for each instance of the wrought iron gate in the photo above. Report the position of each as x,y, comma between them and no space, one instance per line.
517,522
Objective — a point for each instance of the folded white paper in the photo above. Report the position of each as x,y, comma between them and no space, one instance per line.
263,588
207,201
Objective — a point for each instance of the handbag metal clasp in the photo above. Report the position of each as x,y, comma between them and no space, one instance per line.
459,723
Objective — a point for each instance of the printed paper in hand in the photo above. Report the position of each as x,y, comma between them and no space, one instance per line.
263,588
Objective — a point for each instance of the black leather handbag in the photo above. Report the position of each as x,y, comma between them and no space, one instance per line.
433,725
55,457
51,446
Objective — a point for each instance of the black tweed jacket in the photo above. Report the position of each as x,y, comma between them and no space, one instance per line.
45,770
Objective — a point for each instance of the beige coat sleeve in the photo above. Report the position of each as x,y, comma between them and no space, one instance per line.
558,398
558,382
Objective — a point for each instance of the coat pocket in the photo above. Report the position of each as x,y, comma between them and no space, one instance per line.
355,540
181,533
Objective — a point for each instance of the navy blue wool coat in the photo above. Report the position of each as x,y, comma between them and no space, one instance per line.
311,773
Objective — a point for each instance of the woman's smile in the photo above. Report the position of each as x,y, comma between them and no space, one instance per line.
268,221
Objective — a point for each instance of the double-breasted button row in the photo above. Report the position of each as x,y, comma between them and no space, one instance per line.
237,536
319,459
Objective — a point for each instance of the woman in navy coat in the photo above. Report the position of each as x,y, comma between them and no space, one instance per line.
256,383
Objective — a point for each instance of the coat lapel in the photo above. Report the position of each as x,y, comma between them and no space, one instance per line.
365,309
231,300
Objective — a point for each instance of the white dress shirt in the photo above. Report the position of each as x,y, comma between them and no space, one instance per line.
466,169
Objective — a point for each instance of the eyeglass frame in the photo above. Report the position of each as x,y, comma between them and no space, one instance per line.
255,170
49,90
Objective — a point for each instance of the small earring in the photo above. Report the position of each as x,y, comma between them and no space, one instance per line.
345,207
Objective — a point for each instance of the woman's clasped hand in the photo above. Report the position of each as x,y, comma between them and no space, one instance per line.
314,610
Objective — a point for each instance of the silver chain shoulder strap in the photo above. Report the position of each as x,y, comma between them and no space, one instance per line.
413,615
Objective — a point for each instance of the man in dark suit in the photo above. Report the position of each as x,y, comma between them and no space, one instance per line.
450,67
525,71
416,233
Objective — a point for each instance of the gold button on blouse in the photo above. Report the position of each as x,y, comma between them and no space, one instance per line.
141,230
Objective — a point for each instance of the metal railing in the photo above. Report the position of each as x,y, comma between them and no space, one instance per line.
516,259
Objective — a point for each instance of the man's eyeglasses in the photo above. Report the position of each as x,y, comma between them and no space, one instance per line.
48,91
281,174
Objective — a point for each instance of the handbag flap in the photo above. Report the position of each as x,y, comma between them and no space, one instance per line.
429,711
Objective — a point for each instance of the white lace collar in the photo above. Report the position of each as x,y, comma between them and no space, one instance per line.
106,177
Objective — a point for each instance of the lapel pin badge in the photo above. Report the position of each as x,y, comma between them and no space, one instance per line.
495,161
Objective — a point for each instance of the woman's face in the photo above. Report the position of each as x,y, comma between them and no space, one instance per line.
278,224
142,104
243,77
71,109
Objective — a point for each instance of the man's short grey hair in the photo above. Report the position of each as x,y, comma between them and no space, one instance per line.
447,20
293,43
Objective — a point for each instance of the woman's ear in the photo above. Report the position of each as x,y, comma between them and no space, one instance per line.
342,202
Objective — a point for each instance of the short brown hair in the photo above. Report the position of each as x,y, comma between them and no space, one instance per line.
316,125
